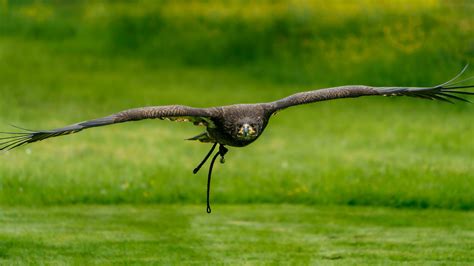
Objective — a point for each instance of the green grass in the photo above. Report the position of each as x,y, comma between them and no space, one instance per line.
366,151
234,234
284,41
125,194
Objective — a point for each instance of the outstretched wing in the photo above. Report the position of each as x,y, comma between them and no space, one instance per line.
447,92
198,116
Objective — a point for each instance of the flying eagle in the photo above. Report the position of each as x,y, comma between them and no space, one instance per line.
240,124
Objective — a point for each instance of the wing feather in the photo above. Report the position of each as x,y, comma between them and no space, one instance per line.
443,92
199,116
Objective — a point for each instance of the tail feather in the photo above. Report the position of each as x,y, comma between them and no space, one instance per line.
203,137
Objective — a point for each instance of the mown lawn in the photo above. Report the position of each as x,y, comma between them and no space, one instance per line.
64,62
234,234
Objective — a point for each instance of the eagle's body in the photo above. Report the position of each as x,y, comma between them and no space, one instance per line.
240,124
224,126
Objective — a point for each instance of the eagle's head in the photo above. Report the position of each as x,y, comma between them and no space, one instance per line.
247,131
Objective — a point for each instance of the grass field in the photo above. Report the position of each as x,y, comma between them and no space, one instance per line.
235,234
391,152
355,181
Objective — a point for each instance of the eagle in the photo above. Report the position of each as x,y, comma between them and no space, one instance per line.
239,125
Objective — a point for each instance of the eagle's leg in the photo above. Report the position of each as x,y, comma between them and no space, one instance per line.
205,159
222,152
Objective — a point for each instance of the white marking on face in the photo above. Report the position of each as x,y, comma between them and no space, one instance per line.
246,131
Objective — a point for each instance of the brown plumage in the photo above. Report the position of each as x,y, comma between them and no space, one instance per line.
241,124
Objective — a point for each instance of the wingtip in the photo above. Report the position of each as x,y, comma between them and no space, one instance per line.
452,80
14,140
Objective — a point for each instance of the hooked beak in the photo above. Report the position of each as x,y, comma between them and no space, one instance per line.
246,129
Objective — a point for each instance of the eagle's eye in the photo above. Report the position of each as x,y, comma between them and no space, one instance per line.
247,131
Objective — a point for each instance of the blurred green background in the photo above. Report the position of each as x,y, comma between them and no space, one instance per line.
67,61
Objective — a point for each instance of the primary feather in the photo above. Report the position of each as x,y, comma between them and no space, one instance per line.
173,112
446,92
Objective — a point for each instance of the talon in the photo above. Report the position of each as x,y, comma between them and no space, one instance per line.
222,159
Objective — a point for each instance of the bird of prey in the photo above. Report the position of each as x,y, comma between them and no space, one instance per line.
240,124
